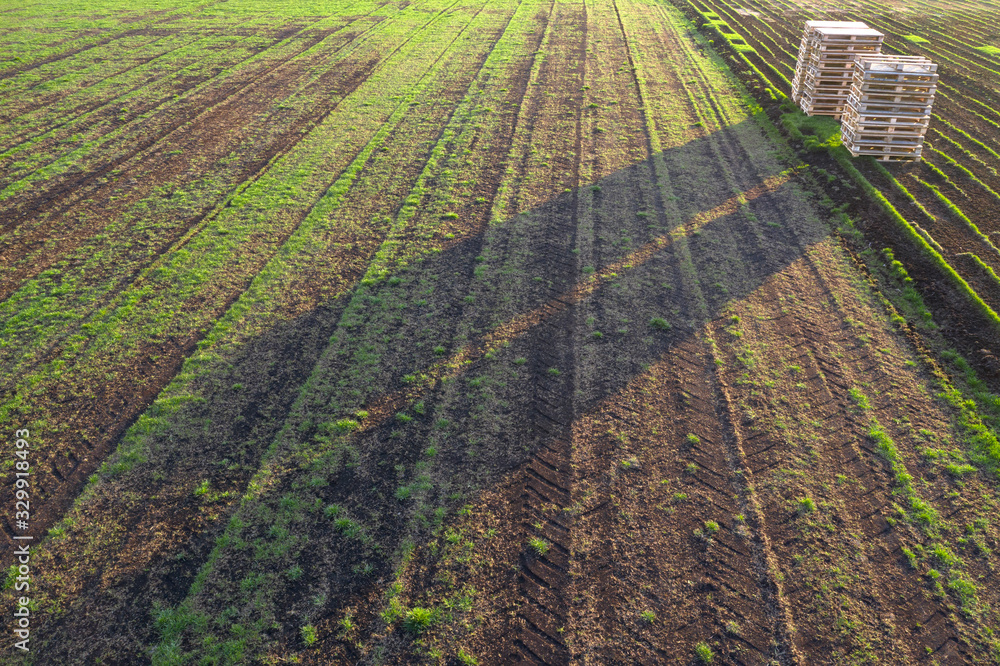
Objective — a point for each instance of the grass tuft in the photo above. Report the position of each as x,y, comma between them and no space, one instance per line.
418,620
539,546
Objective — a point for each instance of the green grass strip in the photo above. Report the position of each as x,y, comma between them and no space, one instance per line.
957,212
844,159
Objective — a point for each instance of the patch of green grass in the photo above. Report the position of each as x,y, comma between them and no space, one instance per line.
346,425
860,399
704,653
817,132
418,620
958,470
538,546
466,658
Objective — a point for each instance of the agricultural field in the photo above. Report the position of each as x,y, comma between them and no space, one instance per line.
489,332
951,195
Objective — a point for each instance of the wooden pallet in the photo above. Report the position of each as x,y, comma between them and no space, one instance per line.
889,106
805,55
889,157
886,121
914,99
825,68
837,35
885,142
879,129
830,79
885,62
866,110
870,138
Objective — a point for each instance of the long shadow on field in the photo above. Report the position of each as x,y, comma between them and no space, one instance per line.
450,362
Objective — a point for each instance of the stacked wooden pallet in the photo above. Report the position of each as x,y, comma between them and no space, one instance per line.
805,49
889,106
827,70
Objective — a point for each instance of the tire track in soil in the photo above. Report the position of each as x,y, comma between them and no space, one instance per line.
832,358
695,585
731,156
694,387
603,516
543,577
123,406
773,537
812,340
368,600
829,378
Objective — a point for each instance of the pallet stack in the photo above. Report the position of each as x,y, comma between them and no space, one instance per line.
805,50
889,106
826,71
